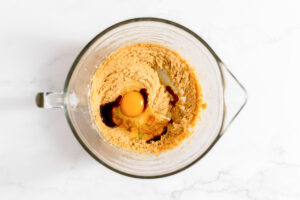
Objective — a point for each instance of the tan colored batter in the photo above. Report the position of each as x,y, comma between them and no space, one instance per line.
138,66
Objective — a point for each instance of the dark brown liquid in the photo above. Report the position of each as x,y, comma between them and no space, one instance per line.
145,96
158,137
106,112
175,97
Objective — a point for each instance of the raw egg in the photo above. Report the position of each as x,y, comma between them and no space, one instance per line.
132,104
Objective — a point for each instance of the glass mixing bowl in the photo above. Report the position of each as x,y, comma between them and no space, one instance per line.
224,95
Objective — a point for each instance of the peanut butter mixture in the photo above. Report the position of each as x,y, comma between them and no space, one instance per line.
145,97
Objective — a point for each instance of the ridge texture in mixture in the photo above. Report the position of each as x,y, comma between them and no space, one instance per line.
161,98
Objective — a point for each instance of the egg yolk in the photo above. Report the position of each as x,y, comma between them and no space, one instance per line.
132,104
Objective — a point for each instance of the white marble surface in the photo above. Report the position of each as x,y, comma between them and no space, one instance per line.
258,157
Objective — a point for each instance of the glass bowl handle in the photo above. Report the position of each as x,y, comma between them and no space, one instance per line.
50,99
235,97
